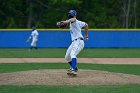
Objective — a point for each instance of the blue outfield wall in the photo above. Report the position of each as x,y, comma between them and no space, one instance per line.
62,39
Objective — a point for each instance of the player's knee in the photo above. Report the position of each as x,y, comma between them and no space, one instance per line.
73,55
68,58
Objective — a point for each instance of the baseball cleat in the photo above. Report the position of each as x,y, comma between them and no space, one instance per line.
71,73
69,70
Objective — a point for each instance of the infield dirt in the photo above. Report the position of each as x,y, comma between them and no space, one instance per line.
80,60
59,77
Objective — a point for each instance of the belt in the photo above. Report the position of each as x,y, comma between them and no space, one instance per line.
78,38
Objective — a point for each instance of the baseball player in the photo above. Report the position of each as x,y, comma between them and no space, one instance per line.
34,37
77,40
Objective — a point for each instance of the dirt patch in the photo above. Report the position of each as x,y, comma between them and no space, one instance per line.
59,77
80,60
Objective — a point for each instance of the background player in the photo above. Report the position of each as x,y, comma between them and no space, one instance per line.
34,37
77,40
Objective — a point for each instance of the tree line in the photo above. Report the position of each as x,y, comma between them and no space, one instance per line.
45,13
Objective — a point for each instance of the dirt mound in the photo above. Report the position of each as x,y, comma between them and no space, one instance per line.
59,77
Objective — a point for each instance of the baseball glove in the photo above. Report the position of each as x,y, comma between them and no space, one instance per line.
61,24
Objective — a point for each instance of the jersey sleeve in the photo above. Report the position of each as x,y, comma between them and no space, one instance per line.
35,33
82,24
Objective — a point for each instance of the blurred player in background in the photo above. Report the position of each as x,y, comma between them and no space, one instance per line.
34,37
77,40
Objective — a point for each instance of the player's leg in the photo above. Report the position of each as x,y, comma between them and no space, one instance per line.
77,47
70,63
80,47
35,42
67,55
32,44
68,58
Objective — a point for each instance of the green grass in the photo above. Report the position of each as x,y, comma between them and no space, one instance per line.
25,53
60,53
71,89
13,67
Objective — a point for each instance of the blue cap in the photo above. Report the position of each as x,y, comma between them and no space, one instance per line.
72,13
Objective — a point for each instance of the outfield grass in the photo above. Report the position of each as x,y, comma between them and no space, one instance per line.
71,89
60,53
13,67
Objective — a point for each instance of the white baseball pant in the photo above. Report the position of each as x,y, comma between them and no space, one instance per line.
74,49
33,43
